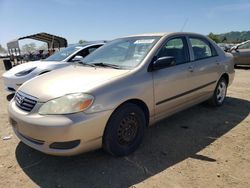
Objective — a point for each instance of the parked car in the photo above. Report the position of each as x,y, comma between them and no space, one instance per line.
241,53
123,87
16,76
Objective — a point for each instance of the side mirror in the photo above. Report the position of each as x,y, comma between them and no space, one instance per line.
164,62
77,58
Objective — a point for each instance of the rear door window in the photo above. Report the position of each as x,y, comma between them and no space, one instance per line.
86,51
93,48
202,48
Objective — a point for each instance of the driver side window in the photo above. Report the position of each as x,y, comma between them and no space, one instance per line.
177,48
83,53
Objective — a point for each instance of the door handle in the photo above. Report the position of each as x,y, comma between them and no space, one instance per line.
191,68
217,62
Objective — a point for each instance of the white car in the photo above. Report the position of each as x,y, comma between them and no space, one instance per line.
16,76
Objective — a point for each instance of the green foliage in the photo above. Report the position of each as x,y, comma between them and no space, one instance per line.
81,41
235,36
31,47
43,47
214,37
28,48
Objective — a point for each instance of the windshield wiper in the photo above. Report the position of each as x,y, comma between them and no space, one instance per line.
85,64
107,65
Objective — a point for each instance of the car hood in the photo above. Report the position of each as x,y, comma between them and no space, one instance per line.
71,79
29,65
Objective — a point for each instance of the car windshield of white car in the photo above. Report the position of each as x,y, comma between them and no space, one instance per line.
124,53
61,55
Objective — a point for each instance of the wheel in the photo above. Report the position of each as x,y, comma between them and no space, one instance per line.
219,93
124,131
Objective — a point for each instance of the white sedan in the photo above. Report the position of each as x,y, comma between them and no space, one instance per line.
16,76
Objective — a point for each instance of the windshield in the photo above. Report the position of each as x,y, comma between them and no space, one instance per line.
125,53
61,55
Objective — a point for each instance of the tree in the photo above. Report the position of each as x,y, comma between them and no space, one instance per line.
81,41
235,36
224,39
214,37
43,47
28,48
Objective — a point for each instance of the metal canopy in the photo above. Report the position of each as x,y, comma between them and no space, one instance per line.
53,41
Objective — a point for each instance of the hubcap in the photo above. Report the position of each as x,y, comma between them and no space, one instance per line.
221,92
128,129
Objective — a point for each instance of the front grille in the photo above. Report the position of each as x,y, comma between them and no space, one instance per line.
24,101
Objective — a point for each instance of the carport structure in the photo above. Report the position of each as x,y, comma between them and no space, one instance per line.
52,41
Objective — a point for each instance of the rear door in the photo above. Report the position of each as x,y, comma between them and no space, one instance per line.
171,84
207,67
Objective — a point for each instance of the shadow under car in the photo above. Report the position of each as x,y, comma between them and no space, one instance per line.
170,141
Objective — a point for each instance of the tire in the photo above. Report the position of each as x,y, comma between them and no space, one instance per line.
220,93
124,131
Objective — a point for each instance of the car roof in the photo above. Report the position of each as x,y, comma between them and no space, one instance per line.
161,34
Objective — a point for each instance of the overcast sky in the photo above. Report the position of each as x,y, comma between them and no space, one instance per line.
108,19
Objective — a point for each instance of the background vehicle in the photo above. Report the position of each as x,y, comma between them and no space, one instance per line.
119,90
226,47
17,75
241,53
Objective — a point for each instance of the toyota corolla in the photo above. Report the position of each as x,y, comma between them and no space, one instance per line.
119,90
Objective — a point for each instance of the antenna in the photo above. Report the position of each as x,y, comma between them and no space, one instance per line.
184,24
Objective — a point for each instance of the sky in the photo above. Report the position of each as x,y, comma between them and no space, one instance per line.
109,19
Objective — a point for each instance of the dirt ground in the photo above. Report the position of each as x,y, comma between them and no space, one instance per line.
199,147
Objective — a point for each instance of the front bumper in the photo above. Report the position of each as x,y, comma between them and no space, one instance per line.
41,132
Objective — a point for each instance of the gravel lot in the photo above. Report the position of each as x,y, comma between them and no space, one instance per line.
199,147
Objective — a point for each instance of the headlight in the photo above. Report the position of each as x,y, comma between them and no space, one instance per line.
25,72
67,104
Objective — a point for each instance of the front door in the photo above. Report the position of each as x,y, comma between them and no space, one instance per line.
171,84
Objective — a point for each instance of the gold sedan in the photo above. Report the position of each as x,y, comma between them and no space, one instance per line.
117,91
